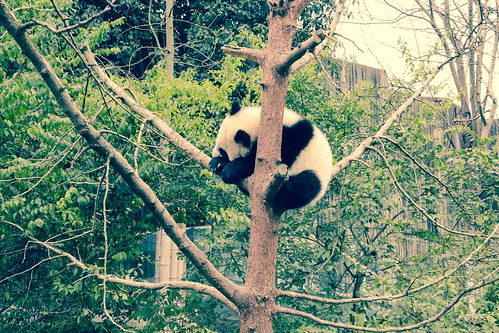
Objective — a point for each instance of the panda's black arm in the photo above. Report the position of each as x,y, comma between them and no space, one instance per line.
218,163
238,170
232,172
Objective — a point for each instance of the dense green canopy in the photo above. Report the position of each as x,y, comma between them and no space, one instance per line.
379,231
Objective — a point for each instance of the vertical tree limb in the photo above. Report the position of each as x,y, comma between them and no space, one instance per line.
170,47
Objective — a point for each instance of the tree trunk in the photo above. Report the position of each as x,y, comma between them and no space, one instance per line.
262,259
169,47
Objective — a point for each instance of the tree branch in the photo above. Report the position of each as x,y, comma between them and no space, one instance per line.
71,27
106,250
119,163
307,46
162,126
320,47
255,55
490,90
330,79
184,285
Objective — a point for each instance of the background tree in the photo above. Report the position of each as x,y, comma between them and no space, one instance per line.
338,264
467,32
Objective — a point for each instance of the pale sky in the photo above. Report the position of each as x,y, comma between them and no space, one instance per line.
372,36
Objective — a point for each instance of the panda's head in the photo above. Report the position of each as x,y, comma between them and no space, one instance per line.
238,132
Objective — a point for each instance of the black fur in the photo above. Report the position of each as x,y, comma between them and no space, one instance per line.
243,138
232,172
294,139
235,108
217,164
298,190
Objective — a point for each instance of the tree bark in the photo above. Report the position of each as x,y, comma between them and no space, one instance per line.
262,258
169,47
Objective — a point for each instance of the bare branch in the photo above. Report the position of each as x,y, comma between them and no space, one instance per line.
319,48
330,79
106,249
29,269
181,285
67,28
490,90
307,46
147,115
158,44
138,145
255,55
298,57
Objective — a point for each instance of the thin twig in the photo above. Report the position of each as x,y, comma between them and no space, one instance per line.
66,28
415,204
330,79
136,152
50,170
396,144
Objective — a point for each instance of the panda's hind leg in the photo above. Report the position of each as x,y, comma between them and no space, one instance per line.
298,191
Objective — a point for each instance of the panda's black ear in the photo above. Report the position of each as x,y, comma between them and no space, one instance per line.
235,108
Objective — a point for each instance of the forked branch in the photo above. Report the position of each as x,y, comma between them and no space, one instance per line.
73,26
319,48
255,55
297,53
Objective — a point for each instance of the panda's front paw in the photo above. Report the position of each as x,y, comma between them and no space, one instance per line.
218,163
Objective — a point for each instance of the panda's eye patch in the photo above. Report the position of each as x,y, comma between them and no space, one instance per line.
243,138
223,153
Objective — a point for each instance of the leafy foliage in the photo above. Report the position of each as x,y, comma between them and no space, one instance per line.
365,239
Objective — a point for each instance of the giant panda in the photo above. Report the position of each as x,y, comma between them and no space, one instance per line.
305,150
